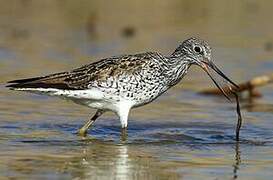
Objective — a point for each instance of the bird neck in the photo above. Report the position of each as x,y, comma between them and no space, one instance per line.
177,67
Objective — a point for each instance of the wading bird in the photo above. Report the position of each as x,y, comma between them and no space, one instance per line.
121,83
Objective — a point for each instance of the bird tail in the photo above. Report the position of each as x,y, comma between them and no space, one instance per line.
55,81
24,83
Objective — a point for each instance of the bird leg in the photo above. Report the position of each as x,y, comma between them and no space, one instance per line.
123,134
85,127
123,113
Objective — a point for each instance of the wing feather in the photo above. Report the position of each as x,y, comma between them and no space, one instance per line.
81,78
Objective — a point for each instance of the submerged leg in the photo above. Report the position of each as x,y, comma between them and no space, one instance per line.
123,117
85,127
123,134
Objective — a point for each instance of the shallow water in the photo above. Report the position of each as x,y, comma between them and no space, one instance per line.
182,135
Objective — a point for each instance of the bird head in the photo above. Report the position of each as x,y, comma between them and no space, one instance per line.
197,52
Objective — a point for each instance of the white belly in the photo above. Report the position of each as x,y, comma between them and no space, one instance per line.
97,104
93,98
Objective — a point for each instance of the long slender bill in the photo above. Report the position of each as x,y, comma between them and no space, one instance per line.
216,69
205,66
212,66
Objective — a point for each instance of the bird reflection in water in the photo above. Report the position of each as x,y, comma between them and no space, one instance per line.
237,160
122,163
118,164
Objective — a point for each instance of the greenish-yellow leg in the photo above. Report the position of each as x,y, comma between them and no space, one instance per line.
86,126
124,134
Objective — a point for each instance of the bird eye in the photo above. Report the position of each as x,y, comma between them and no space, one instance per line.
197,49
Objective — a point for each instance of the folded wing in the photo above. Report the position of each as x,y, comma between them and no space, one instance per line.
81,78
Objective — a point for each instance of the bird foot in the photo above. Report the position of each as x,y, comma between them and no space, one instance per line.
82,132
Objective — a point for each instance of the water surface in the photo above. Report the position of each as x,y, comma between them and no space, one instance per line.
182,135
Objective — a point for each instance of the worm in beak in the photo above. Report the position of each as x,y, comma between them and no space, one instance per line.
206,65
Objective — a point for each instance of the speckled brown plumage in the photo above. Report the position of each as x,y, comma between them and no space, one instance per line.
122,82
83,77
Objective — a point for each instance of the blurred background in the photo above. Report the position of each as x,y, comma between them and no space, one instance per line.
181,135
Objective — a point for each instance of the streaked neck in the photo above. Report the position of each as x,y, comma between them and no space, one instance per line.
177,68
